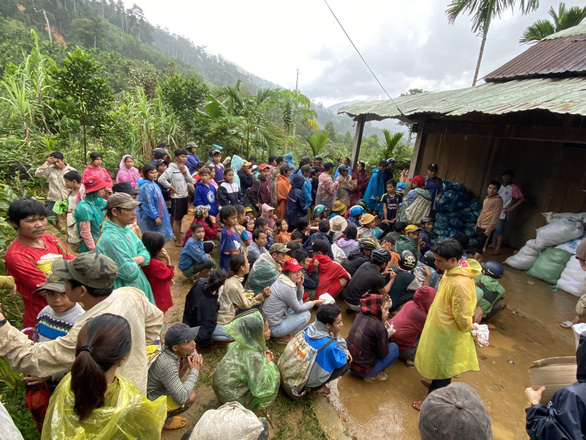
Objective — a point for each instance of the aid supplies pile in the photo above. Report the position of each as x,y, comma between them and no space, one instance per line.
457,211
548,257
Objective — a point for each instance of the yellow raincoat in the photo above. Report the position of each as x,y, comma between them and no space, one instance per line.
446,348
126,414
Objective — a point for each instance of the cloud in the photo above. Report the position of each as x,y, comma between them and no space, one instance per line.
408,44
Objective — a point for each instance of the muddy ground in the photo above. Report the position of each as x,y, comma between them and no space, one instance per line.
519,335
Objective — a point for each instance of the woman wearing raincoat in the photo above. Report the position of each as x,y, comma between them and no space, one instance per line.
247,373
89,213
376,188
362,183
128,173
152,213
446,348
93,402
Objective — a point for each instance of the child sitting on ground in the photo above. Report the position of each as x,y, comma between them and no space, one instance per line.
332,276
230,243
159,274
262,224
388,243
283,236
421,273
245,237
302,230
310,278
322,234
428,237
408,323
194,259
368,228
201,215
489,291
348,242
368,340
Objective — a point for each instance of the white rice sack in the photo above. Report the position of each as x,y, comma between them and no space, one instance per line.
551,217
572,245
558,232
572,278
524,259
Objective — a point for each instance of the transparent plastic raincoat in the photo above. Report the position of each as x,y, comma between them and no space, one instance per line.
244,374
264,272
126,414
90,209
446,348
153,206
236,164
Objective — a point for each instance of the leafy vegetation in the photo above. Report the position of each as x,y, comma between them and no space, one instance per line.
564,18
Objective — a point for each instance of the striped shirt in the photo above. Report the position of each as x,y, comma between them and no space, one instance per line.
52,325
164,380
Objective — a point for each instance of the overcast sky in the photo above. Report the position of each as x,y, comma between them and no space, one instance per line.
408,43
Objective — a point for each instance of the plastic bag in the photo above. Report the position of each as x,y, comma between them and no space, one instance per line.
296,362
481,334
560,231
549,265
230,421
524,259
126,413
572,278
263,274
572,245
551,217
244,373
8,429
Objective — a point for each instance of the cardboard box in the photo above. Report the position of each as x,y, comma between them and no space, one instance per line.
553,374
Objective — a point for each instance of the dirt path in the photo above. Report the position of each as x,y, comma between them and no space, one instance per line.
383,411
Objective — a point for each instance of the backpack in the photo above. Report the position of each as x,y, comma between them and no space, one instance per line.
419,208
296,363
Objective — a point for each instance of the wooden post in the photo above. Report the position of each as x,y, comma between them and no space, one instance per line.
419,147
360,121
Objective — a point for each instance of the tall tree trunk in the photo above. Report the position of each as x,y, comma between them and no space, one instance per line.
480,53
48,25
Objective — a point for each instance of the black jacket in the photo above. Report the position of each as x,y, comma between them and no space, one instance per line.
354,261
565,416
201,310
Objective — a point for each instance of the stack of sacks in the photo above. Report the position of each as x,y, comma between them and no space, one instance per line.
544,261
457,211
572,277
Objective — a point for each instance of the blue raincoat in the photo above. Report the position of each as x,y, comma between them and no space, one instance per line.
376,187
153,206
236,164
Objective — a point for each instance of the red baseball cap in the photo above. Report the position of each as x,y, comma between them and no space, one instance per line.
291,265
262,166
419,180
93,184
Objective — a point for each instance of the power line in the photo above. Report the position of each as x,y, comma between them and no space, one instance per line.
362,58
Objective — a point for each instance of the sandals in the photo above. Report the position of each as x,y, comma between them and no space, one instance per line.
176,422
380,377
410,364
567,324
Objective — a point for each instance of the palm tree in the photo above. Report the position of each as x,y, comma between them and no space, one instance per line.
563,19
483,12
318,141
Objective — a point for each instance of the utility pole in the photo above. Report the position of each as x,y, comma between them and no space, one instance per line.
297,81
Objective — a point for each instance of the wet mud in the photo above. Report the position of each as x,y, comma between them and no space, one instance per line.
520,334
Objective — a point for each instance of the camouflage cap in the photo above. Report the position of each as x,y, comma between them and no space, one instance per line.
90,268
121,200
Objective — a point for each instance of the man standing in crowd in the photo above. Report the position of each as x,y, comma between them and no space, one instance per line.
89,279
192,159
175,179
53,170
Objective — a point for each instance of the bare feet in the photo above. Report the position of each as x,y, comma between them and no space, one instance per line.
417,405
381,376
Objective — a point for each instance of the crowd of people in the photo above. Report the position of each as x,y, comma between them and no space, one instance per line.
268,244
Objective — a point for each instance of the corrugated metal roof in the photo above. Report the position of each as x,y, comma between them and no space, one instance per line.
562,55
565,96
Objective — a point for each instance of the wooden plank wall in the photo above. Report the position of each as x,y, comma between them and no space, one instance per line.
552,176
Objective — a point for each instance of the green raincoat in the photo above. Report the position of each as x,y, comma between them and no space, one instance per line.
90,209
446,348
244,374
126,413
121,245
488,292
